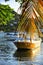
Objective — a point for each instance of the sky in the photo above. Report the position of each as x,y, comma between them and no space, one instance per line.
12,4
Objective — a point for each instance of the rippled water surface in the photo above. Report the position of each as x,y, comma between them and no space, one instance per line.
9,55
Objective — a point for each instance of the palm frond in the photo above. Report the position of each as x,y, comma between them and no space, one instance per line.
32,16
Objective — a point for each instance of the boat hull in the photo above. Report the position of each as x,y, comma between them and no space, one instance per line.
27,45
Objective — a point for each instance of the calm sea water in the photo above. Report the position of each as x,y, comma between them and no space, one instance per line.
9,55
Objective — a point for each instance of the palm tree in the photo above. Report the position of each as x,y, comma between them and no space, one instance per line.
31,18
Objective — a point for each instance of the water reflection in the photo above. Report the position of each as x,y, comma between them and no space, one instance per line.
9,55
26,55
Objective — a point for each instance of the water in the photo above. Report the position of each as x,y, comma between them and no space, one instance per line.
9,55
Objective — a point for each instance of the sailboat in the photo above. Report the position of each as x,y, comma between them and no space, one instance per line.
29,25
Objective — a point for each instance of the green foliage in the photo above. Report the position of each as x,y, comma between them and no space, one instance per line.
8,18
5,14
20,1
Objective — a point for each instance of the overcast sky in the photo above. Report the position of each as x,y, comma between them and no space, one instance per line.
11,3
